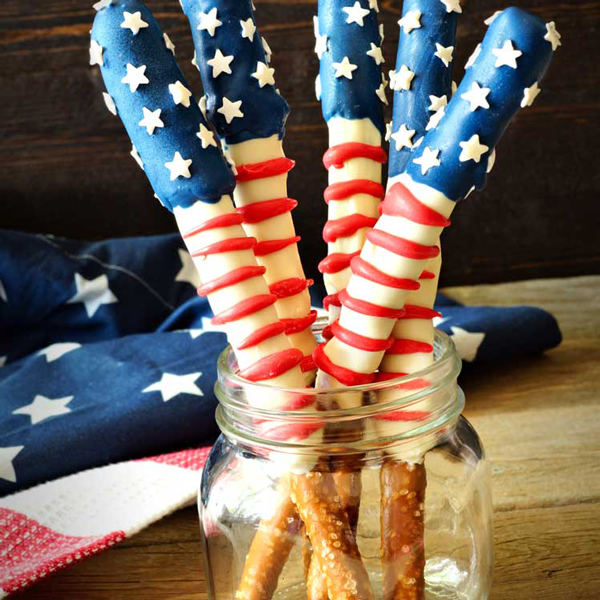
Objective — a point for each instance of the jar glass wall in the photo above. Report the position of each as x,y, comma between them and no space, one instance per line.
419,493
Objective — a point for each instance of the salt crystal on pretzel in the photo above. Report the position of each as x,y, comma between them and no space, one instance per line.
249,116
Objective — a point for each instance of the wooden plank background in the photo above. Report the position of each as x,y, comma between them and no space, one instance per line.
65,165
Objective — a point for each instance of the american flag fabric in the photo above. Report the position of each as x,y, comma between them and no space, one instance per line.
109,357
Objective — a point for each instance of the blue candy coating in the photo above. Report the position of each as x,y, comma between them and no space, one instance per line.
416,50
211,176
265,111
354,98
455,178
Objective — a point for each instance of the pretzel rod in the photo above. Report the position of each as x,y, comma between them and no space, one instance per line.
249,116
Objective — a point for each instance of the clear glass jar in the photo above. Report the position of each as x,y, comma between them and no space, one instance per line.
423,481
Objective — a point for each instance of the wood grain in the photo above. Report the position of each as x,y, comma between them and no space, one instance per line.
538,420
65,166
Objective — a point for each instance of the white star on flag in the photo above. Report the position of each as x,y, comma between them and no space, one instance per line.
188,272
264,74
427,160
320,40
230,110
3,292
55,351
151,120
444,53
96,53
248,28
472,149
179,167
437,102
43,408
452,5
344,68
356,13
135,77
411,20
206,136
507,55
136,157
180,94
552,35
471,61
7,455
133,21
491,19
93,293
220,63
530,94
403,137
110,103
376,54
209,22
169,44
466,343
403,79
476,96
171,385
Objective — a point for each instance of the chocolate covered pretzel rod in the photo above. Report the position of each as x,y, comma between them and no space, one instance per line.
249,115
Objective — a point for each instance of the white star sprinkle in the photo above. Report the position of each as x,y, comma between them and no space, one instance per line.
181,95
267,49
344,68
471,61
133,21
230,110
96,54
356,13
453,87
3,294
43,408
318,87
491,19
220,63
380,91
188,272
110,103
491,161
264,74
248,28
209,22
93,293
476,97
381,30
136,157
388,131
466,343
102,4
435,118
135,77
179,167
472,149
530,94
444,54
171,385
437,102
202,106
507,55
151,120
427,160
7,455
320,40
376,54
452,5
552,35
206,136
374,5
418,142
169,44
411,20
55,351
402,79
403,137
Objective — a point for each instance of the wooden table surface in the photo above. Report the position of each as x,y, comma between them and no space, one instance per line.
539,422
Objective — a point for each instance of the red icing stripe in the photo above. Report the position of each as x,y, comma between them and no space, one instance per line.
331,300
244,308
427,275
230,278
308,364
359,341
400,246
336,156
343,375
346,226
267,168
299,324
261,211
270,246
409,347
221,221
368,308
344,189
289,287
419,312
400,202
261,334
273,365
337,261
366,270
229,245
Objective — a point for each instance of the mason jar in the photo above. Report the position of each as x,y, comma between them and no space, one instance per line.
395,493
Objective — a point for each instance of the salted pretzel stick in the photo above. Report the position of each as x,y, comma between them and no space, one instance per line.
249,115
